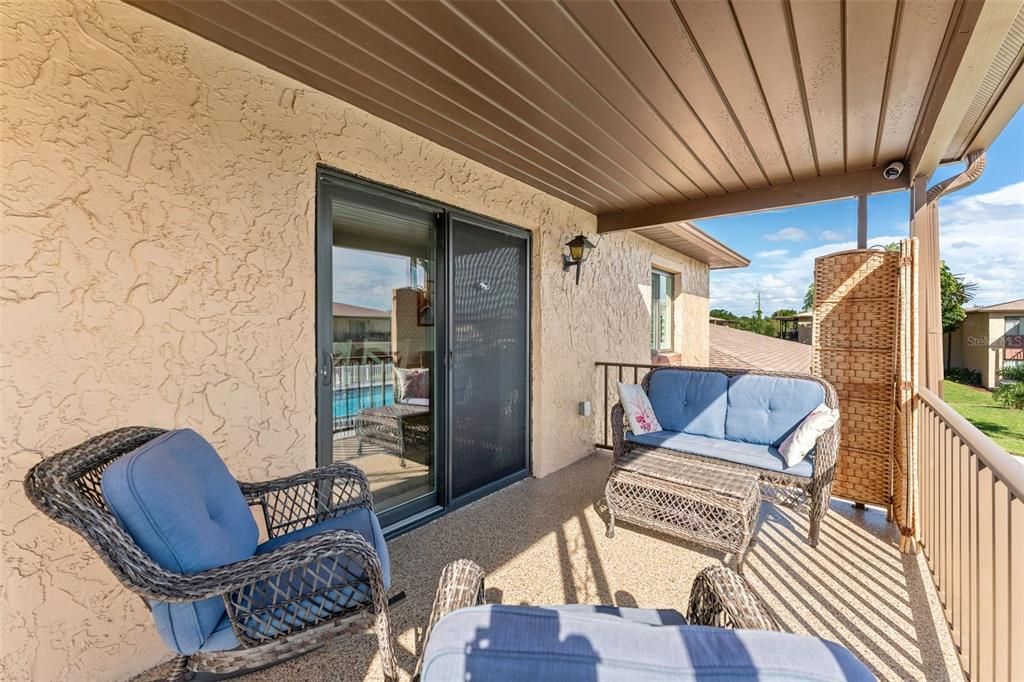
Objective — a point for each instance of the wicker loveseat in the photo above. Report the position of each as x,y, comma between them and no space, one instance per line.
166,516
467,639
737,418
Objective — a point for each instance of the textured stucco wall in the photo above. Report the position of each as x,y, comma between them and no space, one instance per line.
157,265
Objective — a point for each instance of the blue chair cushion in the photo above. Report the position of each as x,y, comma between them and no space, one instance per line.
308,611
765,457
689,401
361,520
633,615
516,643
181,505
765,409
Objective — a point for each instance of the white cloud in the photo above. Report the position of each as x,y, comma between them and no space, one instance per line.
832,236
774,253
782,286
981,237
787,234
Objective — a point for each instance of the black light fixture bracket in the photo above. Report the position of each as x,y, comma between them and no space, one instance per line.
579,250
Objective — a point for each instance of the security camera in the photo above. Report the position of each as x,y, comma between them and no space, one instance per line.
893,170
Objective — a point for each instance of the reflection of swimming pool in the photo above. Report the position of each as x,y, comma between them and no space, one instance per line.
348,401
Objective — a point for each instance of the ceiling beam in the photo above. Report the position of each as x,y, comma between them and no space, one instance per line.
977,32
815,190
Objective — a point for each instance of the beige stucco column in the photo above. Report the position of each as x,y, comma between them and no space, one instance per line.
924,226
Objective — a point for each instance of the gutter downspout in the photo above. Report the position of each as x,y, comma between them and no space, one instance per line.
925,227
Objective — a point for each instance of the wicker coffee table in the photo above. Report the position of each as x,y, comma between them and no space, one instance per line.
397,427
697,500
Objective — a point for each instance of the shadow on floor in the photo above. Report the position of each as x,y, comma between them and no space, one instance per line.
543,542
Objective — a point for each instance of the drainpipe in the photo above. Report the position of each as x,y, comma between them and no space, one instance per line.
862,221
925,226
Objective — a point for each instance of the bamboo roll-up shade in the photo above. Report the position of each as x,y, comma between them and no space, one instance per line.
856,332
905,492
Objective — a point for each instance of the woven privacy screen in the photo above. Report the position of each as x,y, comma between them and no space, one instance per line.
856,348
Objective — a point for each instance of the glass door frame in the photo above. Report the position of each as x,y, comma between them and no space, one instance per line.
332,182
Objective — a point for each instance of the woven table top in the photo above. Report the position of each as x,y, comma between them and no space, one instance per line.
722,480
397,411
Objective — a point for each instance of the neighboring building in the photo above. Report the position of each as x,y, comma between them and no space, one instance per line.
799,327
990,338
747,350
359,325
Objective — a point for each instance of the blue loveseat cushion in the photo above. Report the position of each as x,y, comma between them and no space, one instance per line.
362,521
689,401
765,457
541,644
764,409
181,505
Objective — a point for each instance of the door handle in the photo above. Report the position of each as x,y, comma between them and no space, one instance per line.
326,367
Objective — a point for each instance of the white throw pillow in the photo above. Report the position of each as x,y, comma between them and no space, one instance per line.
802,440
638,409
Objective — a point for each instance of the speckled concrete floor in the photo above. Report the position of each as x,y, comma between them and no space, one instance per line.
543,542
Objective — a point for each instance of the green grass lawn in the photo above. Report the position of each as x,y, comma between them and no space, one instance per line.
1002,424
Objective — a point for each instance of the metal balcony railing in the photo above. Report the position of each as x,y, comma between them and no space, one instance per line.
359,384
972,533
611,374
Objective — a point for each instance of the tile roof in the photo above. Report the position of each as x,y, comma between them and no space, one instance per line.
1008,307
349,310
747,350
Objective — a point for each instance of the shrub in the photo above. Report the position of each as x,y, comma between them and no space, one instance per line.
1011,394
964,375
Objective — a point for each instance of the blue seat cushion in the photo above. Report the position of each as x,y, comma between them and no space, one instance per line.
515,643
288,591
633,615
765,457
690,401
361,520
181,505
765,409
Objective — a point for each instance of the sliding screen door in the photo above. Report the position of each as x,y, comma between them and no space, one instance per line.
489,354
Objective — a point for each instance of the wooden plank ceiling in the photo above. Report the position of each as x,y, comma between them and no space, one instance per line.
620,106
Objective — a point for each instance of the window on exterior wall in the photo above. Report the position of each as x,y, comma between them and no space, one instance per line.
661,311
1013,342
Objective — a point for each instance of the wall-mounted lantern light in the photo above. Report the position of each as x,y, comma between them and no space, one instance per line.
579,250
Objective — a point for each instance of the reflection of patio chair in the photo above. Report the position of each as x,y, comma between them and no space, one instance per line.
167,517
466,639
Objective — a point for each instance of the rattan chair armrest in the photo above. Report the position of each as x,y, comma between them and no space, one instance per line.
171,586
295,502
618,419
461,585
723,598
338,470
339,575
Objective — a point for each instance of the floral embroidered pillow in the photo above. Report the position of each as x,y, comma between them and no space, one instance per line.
639,412
412,384
799,443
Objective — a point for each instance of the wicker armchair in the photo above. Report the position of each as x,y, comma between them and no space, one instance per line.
326,585
811,495
719,597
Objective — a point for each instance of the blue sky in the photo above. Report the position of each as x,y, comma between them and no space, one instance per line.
981,233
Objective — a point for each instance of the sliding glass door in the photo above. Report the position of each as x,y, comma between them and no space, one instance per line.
423,343
378,343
